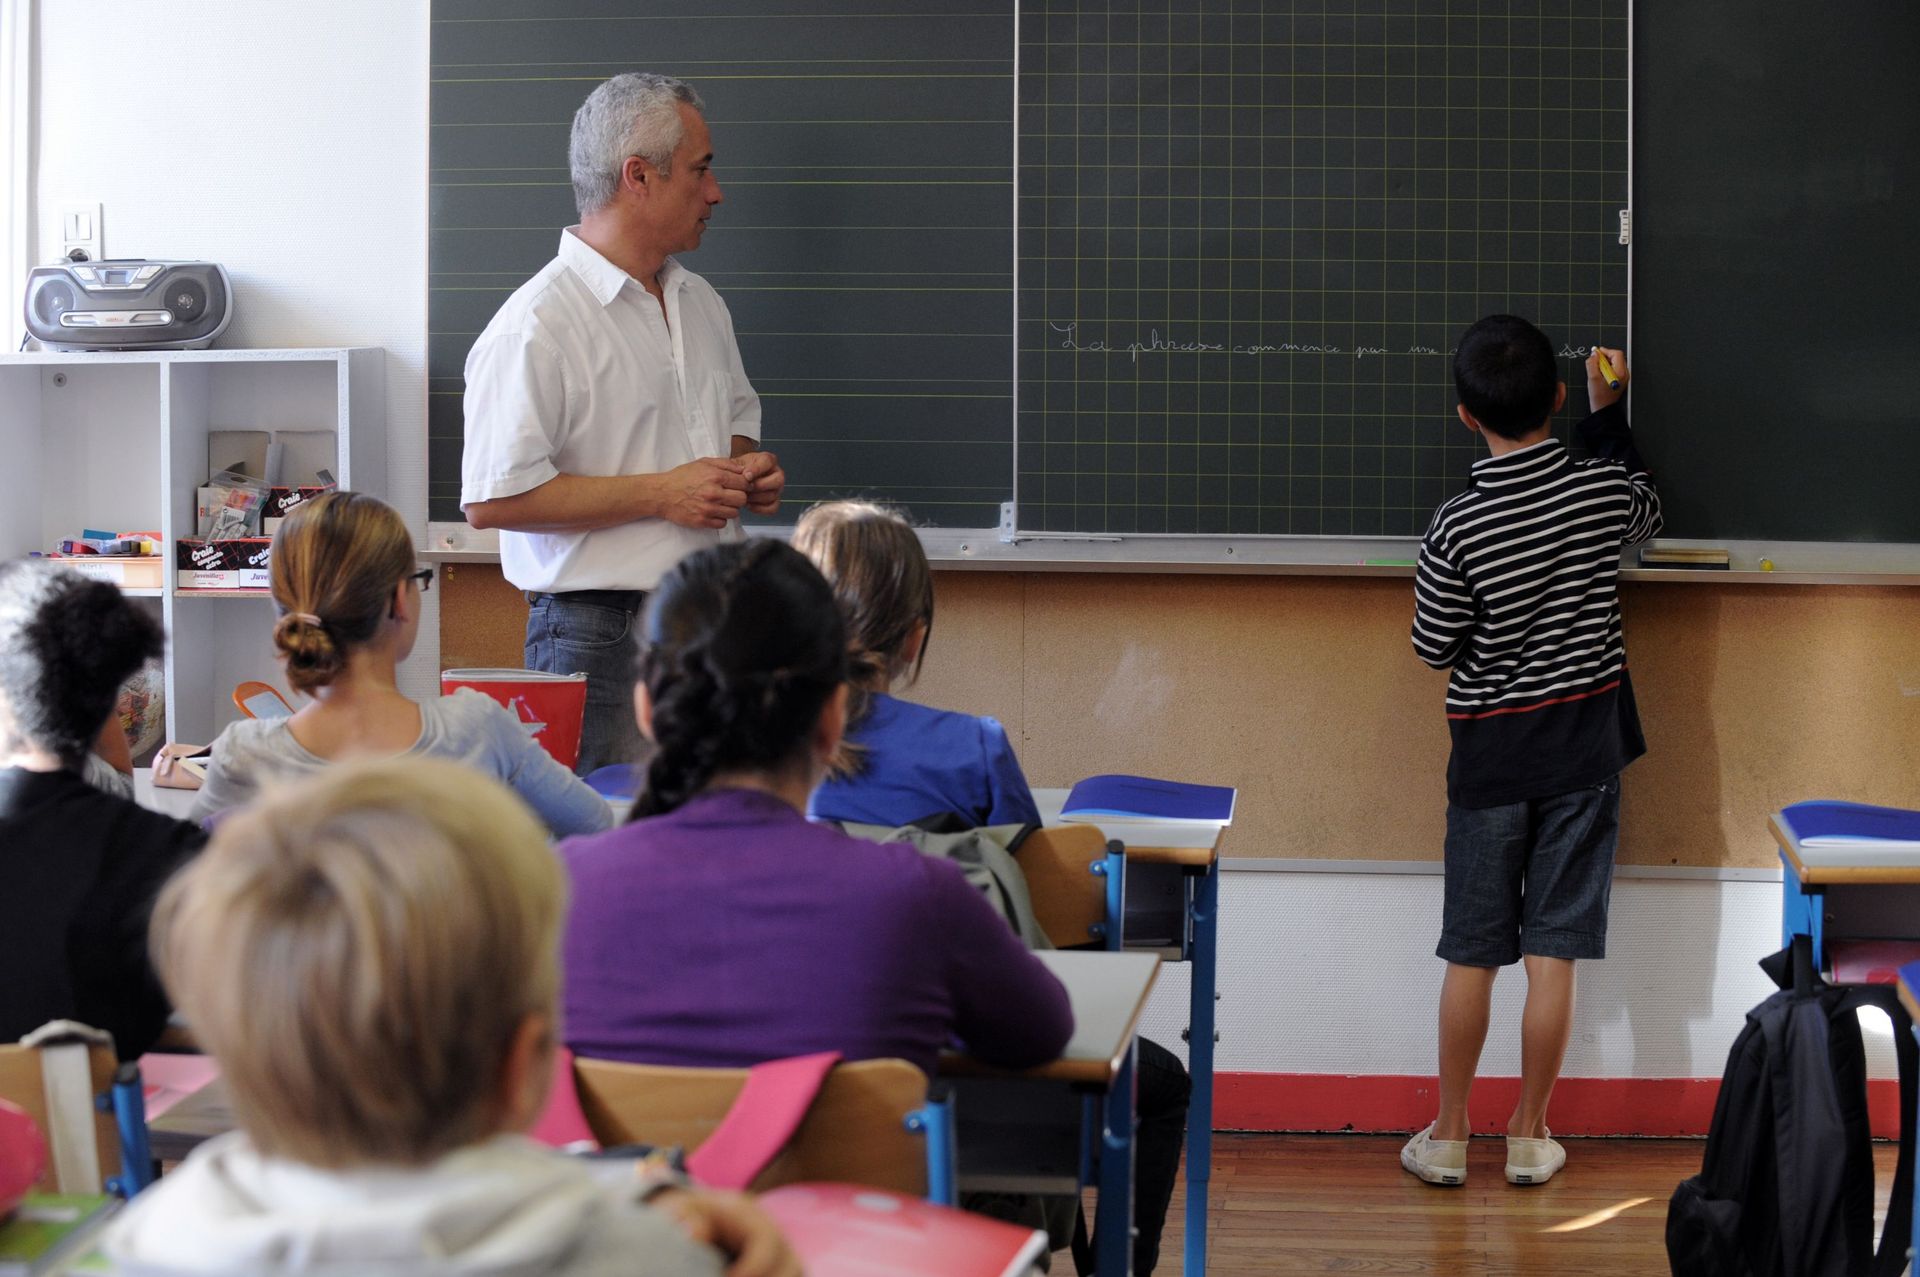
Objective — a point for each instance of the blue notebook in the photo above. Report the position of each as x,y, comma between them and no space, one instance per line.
1143,798
619,782
1833,824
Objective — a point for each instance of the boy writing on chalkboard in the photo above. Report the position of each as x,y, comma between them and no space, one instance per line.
1515,592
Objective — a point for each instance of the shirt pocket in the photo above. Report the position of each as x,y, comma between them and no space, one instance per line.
710,413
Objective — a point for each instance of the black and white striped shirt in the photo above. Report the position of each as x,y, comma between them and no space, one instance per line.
1516,592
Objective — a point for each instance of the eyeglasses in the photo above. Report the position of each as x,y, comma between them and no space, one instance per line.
423,578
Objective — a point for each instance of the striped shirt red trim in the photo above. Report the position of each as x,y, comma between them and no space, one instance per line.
1528,709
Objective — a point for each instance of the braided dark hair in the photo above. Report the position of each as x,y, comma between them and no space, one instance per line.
67,643
742,647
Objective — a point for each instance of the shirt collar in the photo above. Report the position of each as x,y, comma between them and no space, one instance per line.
603,279
1546,454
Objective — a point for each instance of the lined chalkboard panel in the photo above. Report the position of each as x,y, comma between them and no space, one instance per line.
865,247
1251,232
1777,250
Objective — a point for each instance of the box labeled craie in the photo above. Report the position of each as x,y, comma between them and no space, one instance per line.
239,563
282,501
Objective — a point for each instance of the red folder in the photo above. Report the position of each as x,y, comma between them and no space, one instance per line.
550,707
844,1230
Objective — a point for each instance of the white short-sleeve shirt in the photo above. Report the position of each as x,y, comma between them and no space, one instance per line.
579,373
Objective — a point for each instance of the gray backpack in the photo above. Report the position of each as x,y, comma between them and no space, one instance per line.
985,856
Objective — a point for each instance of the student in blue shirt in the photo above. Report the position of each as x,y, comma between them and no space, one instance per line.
902,763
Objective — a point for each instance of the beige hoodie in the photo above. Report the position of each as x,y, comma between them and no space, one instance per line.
502,1208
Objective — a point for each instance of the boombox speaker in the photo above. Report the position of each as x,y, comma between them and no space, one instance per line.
128,304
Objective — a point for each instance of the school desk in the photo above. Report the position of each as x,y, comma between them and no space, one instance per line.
1054,1128
190,1122
1172,903
171,802
1856,892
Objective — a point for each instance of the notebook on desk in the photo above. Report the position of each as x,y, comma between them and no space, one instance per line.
1832,834
1836,824
1107,798
844,1230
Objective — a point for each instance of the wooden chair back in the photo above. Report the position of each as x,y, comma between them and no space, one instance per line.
855,1133
23,1083
1069,899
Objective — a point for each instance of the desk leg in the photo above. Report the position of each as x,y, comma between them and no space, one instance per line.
1206,953
1803,912
1113,1223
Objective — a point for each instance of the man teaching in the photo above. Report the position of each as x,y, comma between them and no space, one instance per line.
610,427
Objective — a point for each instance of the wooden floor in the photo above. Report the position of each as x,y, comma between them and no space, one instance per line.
1341,1203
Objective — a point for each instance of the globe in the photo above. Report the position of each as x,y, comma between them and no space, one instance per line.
143,710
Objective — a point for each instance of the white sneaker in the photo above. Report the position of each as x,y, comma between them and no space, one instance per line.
1435,1161
1533,1161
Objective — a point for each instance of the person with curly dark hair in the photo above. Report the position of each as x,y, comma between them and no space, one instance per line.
79,868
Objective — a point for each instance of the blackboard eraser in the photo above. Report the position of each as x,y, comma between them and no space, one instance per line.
1674,556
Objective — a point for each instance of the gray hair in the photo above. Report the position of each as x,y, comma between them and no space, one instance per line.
636,113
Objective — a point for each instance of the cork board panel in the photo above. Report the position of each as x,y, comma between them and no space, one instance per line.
483,619
974,660
1756,696
1304,692
1301,691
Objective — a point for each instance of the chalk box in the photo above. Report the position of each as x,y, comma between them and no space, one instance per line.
239,563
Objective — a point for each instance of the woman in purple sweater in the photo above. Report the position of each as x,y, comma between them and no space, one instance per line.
720,928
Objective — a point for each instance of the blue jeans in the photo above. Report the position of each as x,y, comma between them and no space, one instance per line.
591,632
1530,877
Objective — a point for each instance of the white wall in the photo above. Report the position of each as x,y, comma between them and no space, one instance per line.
1335,973
285,140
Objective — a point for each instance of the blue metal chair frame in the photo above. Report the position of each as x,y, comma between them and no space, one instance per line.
128,1102
934,1120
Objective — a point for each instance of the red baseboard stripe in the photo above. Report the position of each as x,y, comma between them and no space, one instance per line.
1662,1106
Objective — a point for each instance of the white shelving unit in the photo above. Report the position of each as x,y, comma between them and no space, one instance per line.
118,441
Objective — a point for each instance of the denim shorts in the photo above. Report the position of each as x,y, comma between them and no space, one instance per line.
1530,877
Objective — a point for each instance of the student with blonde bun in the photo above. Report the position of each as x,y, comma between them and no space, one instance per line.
372,957
347,587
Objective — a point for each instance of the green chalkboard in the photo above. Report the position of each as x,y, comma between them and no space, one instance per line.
1777,247
865,247
1251,232
1248,233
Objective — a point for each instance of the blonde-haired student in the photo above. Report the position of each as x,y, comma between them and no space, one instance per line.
904,763
372,956
347,587
901,761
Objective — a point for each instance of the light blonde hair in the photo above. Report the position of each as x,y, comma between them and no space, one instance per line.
336,563
359,952
882,581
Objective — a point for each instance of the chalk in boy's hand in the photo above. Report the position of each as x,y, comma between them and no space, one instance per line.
1599,392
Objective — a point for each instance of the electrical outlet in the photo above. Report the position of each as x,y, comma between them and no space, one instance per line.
81,236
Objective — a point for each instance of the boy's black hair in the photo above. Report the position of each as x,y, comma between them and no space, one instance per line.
67,643
1505,371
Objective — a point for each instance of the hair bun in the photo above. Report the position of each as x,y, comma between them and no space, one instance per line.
312,657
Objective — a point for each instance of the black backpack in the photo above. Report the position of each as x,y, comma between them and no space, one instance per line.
1787,1185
